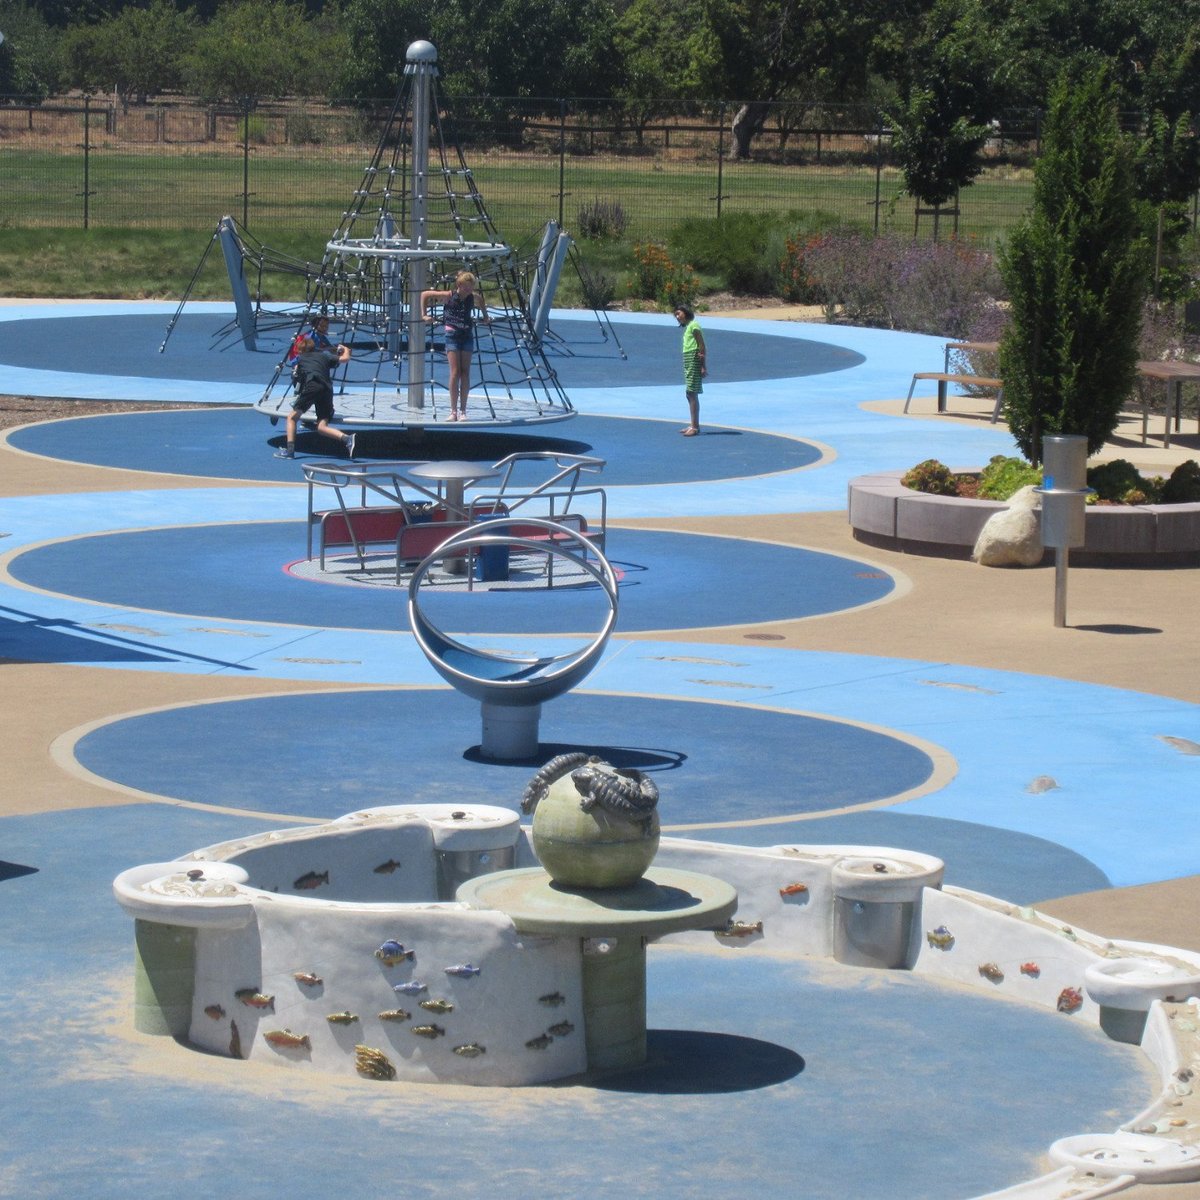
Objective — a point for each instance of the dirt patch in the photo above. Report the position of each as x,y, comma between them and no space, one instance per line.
26,410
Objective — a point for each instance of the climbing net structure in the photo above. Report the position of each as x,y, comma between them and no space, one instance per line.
416,219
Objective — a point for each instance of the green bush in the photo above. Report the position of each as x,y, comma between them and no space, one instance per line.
1002,477
1115,480
933,477
598,286
1184,485
748,252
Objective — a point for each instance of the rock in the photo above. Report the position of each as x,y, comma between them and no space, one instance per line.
1012,538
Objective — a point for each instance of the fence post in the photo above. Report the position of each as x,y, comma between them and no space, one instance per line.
720,156
562,156
245,162
878,168
87,158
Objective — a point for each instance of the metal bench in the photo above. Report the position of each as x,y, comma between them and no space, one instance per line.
944,378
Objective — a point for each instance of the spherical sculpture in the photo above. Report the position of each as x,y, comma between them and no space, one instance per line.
593,826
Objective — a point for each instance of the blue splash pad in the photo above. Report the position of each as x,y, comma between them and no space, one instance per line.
669,580
823,1074
128,344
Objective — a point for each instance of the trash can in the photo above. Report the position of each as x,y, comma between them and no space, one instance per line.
491,562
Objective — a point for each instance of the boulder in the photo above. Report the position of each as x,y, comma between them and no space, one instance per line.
1012,538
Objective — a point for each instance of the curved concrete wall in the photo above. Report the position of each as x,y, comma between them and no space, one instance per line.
883,511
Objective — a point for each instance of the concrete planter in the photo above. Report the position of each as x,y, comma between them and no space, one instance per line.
883,512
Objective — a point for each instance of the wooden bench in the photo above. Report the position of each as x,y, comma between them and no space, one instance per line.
944,378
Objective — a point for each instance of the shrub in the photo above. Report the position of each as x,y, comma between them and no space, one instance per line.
1115,480
602,219
795,281
941,288
1002,477
657,278
933,477
300,129
253,129
1183,487
598,286
651,269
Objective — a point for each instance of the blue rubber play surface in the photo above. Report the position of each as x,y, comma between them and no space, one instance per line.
128,344
697,752
239,444
821,1081
858,1083
237,573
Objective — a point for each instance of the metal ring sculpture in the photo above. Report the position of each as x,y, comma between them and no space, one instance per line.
506,680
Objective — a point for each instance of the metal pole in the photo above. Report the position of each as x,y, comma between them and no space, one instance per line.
1061,555
422,66
87,159
720,158
245,162
562,157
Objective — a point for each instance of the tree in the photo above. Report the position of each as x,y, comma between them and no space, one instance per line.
810,49
1075,271
30,58
263,48
498,49
137,53
946,100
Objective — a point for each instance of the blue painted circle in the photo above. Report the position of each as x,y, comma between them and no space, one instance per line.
236,572
238,444
712,762
127,344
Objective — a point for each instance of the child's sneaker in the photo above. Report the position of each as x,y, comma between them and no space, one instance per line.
350,445
285,452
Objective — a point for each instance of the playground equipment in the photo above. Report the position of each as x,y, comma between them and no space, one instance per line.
416,219
511,689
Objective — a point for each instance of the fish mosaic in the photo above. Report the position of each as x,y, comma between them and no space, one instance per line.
215,1011
739,929
561,1029
470,1050
310,880
437,1006
395,1014
386,868
463,970
287,1040
991,970
1031,969
393,952
253,998
342,1018
1069,1000
540,1042
308,978
412,988
373,1064
552,999
794,889
427,1031
940,938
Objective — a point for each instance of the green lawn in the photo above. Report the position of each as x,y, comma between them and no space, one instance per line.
149,215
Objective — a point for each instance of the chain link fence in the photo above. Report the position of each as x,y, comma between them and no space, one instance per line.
94,163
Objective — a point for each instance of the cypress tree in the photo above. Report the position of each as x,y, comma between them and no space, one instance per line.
1075,270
